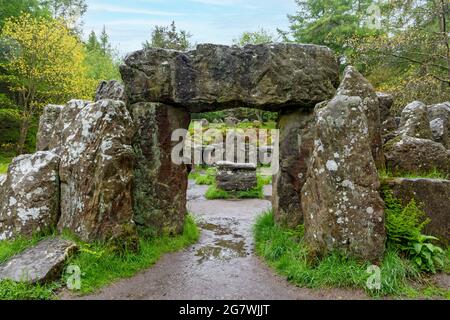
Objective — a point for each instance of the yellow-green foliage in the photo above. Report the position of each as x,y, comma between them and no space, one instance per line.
46,64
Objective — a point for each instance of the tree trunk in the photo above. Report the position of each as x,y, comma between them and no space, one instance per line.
24,126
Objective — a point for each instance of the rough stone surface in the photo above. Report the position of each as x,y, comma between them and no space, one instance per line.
296,144
231,121
354,84
112,89
29,198
46,126
160,185
342,207
214,77
386,101
433,195
439,116
96,168
415,122
39,264
236,176
406,154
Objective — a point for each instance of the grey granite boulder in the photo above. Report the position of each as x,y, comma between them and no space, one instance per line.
405,154
29,198
439,116
41,263
236,176
415,121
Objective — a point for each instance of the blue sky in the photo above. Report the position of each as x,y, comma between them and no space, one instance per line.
129,22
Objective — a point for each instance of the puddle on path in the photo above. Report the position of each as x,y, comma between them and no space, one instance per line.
222,250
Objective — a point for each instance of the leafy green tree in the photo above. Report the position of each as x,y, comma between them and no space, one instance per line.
15,8
168,37
47,68
259,37
329,22
101,60
411,57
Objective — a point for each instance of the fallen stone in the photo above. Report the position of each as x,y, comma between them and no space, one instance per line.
415,122
405,154
295,148
215,77
433,195
160,185
112,89
354,84
439,116
29,198
46,126
96,169
342,207
39,264
236,176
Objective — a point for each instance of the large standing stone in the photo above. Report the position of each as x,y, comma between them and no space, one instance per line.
439,116
405,154
39,264
213,77
433,195
47,126
29,198
342,207
96,169
354,84
296,144
160,185
233,176
112,89
415,122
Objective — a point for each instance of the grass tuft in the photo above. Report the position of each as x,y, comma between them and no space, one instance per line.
285,251
99,265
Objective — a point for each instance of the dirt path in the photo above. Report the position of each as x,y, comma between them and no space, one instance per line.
221,265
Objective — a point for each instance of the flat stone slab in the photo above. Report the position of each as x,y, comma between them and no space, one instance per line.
39,264
214,77
228,165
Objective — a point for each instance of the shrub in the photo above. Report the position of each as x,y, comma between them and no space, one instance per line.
404,227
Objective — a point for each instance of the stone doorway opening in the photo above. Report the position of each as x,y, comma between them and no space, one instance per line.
164,88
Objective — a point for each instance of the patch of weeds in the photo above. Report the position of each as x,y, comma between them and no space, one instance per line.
10,290
404,227
386,174
101,266
285,251
99,263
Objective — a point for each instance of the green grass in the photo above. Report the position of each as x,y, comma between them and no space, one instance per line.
99,265
433,174
284,251
214,192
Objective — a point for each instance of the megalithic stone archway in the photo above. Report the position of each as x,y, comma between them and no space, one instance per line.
163,87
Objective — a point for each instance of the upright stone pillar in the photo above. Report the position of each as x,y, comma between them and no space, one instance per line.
296,144
343,209
160,185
